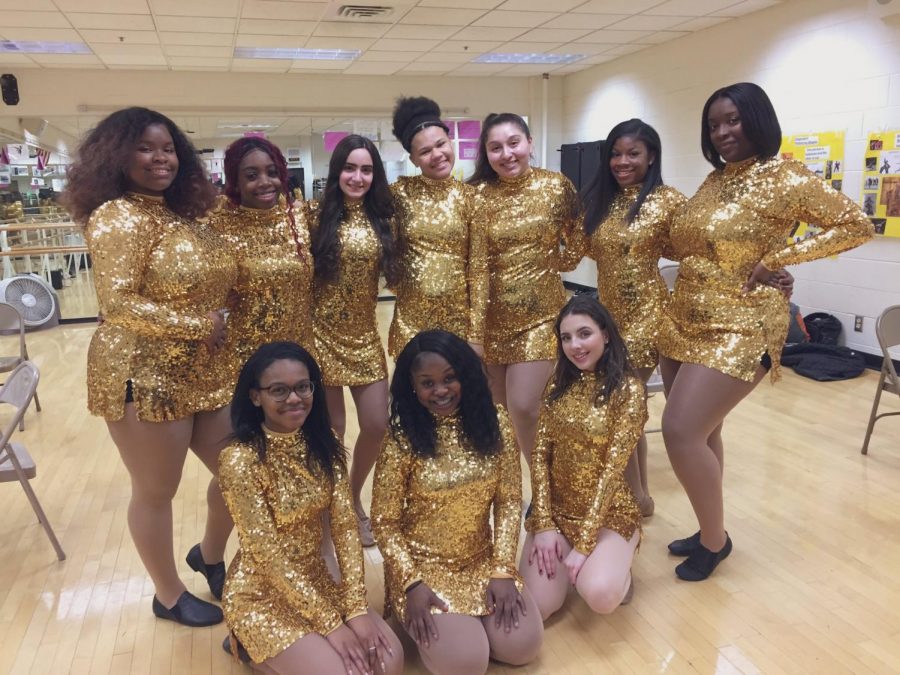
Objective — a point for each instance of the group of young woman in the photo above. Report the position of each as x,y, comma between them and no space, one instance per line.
205,306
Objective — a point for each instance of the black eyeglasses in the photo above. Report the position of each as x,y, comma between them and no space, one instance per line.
281,392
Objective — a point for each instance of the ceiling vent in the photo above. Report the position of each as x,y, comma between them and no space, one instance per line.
363,11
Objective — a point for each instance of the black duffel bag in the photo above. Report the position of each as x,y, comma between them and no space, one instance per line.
825,363
823,328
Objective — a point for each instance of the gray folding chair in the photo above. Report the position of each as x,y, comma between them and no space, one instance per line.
11,322
887,330
15,462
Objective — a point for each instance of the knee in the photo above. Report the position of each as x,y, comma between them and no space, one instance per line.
374,426
153,494
472,661
601,596
521,646
676,434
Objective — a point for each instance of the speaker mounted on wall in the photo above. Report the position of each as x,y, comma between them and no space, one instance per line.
9,88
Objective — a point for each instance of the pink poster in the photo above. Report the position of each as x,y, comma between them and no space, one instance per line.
451,128
469,129
254,134
468,149
332,138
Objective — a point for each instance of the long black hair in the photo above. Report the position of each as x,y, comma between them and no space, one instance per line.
325,452
378,204
759,122
598,196
484,172
476,408
614,365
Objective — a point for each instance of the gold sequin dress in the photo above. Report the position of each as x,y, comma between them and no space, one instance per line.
432,516
157,276
742,215
345,332
277,588
441,259
628,279
524,220
578,481
274,284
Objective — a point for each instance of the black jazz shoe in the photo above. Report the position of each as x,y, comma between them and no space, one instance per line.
684,547
701,562
242,654
189,611
215,574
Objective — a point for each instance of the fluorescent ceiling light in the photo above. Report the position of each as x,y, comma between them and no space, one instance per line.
28,47
287,53
542,59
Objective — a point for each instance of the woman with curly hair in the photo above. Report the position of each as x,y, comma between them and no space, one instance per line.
162,280
284,470
441,252
448,469
352,243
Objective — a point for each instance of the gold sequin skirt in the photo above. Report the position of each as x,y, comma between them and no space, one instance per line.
410,321
505,345
642,337
624,517
349,355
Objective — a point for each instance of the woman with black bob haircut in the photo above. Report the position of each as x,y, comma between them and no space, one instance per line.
352,244
283,471
449,464
162,280
728,325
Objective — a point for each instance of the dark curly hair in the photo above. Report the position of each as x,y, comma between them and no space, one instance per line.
325,451
484,172
236,152
98,174
379,206
614,365
598,196
412,114
759,123
476,409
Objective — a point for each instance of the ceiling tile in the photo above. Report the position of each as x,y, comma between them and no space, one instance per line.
540,5
139,60
112,21
194,24
486,33
622,50
271,27
17,19
479,69
529,70
206,39
581,21
33,5
627,7
600,58
338,43
690,7
663,36
614,36
746,7
523,47
441,17
462,4
423,68
585,48
127,65
207,8
199,61
104,49
502,19
291,11
554,34
413,32
318,65
274,41
98,6
449,57
15,59
471,49
388,45
347,29
42,34
374,67
262,65
648,22
134,37
398,57
198,50
701,23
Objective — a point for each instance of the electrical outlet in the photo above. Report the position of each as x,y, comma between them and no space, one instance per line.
858,324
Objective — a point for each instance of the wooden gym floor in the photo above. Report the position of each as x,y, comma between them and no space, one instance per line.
813,585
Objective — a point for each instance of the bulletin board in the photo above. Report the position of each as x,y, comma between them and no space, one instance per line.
880,195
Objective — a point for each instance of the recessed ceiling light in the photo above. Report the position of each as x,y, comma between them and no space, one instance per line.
288,53
30,47
541,59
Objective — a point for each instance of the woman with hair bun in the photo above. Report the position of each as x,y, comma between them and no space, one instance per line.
441,252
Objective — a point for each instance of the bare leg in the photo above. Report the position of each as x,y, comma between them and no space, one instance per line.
334,399
497,382
606,575
372,412
548,594
699,400
153,453
525,384
636,469
522,644
462,647
212,431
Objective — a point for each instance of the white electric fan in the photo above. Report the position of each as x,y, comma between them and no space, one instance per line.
32,296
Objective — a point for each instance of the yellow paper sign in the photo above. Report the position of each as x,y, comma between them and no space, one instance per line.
880,197
823,154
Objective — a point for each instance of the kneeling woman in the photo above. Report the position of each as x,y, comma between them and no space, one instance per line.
449,461
585,524
283,471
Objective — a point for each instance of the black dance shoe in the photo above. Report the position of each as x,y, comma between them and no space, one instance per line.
242,653
189,611
684,547
215,574
701,562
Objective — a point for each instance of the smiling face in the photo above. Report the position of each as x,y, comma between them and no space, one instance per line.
285,416
726,133
508,150
583,341
436,384
432,151
629,161
356,175
258,180
153,163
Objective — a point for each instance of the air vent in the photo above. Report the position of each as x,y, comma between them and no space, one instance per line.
363,11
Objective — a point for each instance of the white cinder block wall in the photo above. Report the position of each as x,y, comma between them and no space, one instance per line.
826,64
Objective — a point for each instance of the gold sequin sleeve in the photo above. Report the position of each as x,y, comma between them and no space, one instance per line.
477,277
507,502
541,518
810,199
347,548
570,217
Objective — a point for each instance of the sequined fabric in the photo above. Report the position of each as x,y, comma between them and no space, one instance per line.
434,237
277,588
273,294
524,219
432,516
628,279
742,215
157,277
578,481
345,331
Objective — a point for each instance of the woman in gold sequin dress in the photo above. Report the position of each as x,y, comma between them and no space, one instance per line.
525,212
441,254
162,281
285,469
352,244
728,327
585,524
450,463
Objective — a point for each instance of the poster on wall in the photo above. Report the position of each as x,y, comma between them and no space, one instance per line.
823,154
880,196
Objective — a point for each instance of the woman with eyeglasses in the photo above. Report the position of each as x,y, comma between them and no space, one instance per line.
284,470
